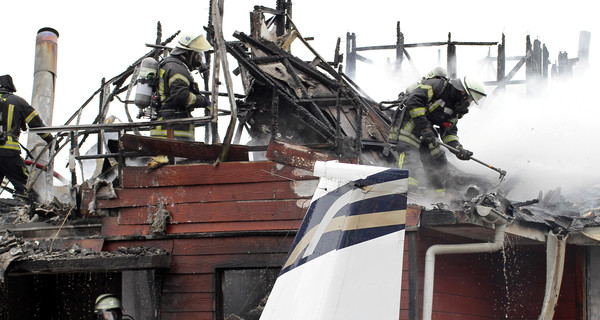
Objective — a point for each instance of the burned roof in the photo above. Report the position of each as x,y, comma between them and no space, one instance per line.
18,255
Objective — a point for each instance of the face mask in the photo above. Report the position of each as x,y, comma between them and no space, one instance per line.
107,315
198,62
463,105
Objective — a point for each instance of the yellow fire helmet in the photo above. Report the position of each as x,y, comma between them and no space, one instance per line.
107,301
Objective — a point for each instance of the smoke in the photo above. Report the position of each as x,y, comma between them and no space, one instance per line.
543,140
544,137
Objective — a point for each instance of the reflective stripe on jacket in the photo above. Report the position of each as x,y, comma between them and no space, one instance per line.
430,104
17,115
176,87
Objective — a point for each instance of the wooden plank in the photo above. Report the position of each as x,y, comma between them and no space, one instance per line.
92,244
188,283
114,230
111,228
271,190
412,215
215,244
234,226
191,150
221,212
178,301
200,173
164,244
185,315
90,264
300,156
207,264
233,245
457,316
451,303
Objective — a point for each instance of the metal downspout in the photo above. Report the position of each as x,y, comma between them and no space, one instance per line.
555,262
454,249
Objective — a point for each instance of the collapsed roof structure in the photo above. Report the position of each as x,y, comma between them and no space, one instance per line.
195,239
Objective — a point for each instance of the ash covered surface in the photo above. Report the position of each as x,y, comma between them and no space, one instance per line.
13,248
14,211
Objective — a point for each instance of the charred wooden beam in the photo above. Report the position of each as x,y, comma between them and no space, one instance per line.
501,62
451,57
314,108
276,53
351,54
426,44
320,126
90,263
300,156
324,101
190,150
399,46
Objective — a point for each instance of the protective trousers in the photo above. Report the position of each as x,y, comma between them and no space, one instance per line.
13,168
435,164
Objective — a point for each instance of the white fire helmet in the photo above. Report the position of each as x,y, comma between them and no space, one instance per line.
473,88
193,42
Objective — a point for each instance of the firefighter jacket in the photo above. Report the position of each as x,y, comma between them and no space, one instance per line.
433,103
179,96
17,115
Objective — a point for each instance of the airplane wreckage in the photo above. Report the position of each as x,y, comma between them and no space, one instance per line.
319,225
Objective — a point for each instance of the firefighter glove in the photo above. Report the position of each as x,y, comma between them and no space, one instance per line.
48,139
455,144
206,102
464,154
428,136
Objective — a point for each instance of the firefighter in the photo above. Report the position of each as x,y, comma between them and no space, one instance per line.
179,94
108,307
432,110
15,115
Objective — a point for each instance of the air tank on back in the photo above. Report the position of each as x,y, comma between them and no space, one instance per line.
146,81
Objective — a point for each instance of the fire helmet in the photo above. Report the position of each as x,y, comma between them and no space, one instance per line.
6,83
107,301
473,88
193,42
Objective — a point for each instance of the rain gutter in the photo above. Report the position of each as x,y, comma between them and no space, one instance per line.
440,249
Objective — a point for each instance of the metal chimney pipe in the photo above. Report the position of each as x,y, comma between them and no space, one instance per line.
44,79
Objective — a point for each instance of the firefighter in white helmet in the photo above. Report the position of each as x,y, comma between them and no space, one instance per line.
179,94
432,110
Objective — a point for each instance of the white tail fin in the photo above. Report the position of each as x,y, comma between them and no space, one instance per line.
346,260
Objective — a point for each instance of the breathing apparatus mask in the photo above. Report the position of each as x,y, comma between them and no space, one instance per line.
462,106
198,62
112,314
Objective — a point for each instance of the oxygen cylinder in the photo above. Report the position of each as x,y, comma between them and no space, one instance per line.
145,82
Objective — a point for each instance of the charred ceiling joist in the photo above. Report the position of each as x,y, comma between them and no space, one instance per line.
253,65
316,107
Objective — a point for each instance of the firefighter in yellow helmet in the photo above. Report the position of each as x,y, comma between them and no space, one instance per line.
108,307
15,115
431,111
179,94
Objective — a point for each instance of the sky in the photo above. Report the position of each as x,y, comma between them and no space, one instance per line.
533,138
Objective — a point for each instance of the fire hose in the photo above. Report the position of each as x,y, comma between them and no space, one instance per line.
43,167
502,172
